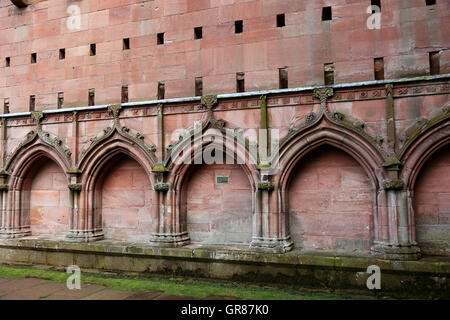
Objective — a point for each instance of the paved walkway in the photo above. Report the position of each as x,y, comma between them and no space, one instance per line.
38,289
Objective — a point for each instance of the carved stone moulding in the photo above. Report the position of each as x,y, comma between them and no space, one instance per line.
170,240
271,245
396,252
12,233
84,235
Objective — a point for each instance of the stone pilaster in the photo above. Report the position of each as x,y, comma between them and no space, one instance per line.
79,229
400,243
268,235
168,232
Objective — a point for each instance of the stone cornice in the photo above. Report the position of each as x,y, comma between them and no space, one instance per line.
252,94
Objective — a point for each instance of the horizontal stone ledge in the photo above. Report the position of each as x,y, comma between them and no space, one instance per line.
235,255
239,95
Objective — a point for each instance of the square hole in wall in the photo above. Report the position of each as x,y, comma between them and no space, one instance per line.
198,86
328,73
283,78
238,26
62,54
60,99
126,44
7,61
160,38
430,2
161,90
92,49
326,14
198,33
240,82
281,20
33,57
32,105
434,62
378,68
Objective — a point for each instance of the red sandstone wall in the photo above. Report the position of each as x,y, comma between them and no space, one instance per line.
331,202
218,213
126,204
48,199
432,205
409,31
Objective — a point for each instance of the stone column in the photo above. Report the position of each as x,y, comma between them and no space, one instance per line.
397,238
82,227
12,224
268,232
171,227
170,230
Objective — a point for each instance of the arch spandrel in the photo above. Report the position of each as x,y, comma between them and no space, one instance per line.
37,142
117,132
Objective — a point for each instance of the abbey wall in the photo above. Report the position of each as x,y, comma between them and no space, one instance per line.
326,135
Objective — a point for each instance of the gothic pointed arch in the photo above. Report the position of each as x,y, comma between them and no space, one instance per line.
421,142
204,132
35,144
117,133
334,129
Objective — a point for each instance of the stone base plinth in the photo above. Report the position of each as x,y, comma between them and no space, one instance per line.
271,245
429,277
396,252
84,236
15,233
170,240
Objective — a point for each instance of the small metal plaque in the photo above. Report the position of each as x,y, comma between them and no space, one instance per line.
222,180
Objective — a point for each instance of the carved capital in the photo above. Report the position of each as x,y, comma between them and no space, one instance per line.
268,186
209,101
392,163
389,90
393,184
323,93
37,116
4,187
162,187
115,110
4,175
160,108
75,186
74,172
159,168
263,100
